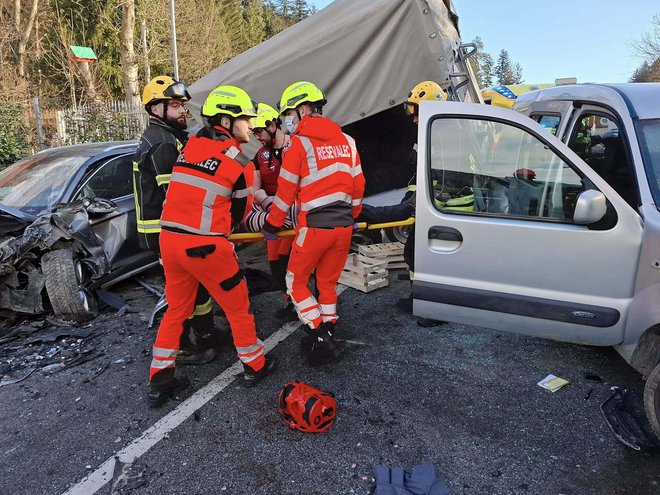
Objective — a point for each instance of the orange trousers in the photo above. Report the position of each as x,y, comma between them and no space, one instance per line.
189,260
323,250
277,248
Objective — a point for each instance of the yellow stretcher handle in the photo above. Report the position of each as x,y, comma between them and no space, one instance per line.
258,237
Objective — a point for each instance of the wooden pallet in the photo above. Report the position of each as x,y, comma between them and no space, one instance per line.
364,274
392,252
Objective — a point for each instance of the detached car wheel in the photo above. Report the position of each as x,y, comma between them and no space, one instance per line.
652,399
64,287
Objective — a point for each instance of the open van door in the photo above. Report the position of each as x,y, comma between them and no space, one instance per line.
547,248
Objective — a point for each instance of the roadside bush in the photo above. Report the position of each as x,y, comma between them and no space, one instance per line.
13,135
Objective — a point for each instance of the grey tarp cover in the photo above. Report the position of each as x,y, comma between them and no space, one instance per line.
365,54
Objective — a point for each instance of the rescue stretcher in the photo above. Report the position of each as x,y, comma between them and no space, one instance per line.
257,237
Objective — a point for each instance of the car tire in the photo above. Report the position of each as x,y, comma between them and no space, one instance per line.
397,234
63,286
652,399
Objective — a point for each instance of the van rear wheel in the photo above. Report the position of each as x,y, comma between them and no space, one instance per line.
652,400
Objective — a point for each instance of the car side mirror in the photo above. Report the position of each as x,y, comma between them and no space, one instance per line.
590,207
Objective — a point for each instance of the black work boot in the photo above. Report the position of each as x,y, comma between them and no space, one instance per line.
319,345
286,312
160,392
251,377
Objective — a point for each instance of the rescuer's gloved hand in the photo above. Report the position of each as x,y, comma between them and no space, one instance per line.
355,226
269,232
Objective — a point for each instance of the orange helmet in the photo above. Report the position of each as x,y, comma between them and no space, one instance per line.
306,408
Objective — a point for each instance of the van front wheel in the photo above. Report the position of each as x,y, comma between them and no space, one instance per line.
652,399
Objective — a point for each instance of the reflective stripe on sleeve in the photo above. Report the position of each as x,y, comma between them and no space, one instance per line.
242,193
288,176
163,179
281,204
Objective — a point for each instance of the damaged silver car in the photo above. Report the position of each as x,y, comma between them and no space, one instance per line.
67,224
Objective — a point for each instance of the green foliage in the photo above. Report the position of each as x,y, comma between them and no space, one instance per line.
506,71
13,143
488,73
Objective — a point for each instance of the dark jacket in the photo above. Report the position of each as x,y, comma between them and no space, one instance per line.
157,152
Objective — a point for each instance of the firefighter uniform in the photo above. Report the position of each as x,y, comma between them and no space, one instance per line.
209,194
158,149
322,174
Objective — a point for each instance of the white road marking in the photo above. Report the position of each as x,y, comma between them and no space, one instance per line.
96,480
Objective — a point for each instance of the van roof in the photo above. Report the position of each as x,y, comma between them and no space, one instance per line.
642,99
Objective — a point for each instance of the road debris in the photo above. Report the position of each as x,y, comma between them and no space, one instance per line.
553,383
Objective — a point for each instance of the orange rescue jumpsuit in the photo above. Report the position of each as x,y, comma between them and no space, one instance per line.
209,194
321,172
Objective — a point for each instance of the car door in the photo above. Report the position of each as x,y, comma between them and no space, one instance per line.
113,180
519,260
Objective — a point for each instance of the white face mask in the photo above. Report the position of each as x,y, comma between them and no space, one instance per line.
288,122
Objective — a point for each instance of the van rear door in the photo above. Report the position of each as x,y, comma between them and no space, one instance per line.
497,244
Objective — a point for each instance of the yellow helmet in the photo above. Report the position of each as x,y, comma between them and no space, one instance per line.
164,88
301,92
229,100
426,90
265,115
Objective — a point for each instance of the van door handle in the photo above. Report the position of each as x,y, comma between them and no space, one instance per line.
445,234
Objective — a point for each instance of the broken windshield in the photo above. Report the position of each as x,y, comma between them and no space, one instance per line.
35,185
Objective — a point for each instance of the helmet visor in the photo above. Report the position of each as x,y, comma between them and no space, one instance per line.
410,108
177,90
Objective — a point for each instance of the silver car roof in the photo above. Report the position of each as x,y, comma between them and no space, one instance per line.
641,99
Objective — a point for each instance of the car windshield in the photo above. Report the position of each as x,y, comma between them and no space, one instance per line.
35,185
648,133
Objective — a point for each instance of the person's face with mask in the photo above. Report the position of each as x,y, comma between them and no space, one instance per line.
291,120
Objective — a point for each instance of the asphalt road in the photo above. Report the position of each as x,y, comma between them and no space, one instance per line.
465,399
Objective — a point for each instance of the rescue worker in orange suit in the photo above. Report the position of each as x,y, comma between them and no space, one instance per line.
268,162
321,173
209,194
165,100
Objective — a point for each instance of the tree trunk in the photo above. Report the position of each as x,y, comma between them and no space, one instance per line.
129,63
23,33
86,75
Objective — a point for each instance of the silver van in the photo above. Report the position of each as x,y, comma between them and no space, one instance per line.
561,237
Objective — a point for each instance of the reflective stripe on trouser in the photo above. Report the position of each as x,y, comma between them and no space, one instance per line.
323,250
183,274
277,248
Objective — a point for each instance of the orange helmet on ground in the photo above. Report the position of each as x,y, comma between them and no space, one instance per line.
306,408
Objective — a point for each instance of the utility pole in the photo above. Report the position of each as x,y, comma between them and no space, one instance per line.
145,51
175,57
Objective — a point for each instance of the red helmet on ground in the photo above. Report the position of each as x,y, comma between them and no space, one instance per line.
306,408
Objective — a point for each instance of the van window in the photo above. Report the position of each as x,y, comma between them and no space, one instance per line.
597,140
491,168
548,122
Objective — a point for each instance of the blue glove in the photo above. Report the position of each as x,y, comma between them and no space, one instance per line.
269,236
269,232
355,226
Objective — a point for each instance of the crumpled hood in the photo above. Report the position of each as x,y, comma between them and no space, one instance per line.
317,127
